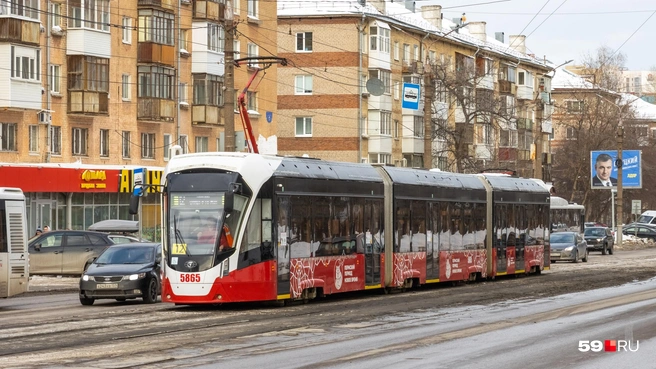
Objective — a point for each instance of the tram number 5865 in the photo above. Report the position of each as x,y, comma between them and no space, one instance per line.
189,278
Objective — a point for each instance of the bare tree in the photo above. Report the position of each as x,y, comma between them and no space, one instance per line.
603,68
467,114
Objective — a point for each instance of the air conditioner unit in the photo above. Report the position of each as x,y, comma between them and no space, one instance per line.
44,117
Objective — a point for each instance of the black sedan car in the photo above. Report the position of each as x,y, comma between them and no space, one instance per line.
640,231
121,272
599,239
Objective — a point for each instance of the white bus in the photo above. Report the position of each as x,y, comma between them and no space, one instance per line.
14,266
566,216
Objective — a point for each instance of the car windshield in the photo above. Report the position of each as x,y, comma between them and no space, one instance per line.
645,219
127,255
595,232
561,238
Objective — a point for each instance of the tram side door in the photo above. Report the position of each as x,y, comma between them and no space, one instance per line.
372,245
433,242
501,217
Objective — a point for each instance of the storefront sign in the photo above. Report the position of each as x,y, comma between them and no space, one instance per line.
93,179
126,181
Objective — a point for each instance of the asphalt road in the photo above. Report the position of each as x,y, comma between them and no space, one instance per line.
534,321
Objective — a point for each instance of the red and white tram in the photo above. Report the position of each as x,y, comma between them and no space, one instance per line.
303,227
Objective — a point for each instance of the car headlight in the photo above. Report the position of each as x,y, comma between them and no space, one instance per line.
85,278
134,277
569,248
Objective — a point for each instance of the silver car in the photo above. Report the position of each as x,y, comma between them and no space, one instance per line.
568,246
65,252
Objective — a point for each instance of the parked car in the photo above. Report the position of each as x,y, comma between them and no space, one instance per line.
120,231
599,239
640,231
65,252
568,246
121,272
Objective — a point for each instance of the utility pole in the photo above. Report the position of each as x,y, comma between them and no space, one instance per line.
619,164
429,93
229,81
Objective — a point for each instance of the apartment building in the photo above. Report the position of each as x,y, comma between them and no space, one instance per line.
108,84
342,96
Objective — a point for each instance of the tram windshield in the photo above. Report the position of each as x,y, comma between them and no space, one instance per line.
195,223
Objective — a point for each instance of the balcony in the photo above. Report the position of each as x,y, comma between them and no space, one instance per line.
210,10
205,114
19,30
156,109
92,102
483,151
524,92
84,41
150,52
524,123
507,154
485,82
165,4
413,67
505,87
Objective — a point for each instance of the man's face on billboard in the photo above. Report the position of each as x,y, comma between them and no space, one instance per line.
604,168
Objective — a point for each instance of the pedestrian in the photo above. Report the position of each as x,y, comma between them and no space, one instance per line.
46,228
38,232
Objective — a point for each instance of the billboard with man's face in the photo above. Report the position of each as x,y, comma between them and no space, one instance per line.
604,169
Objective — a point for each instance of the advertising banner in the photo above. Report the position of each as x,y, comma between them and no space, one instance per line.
604,165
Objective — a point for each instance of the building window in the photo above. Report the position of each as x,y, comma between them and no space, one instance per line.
507,73
126,144
104,143
303,127
202,144
148,145
379,39
574,106
167,147
384,76
252,8
236,47
55,15
55,88
125,87
26,63
88,73
303,85
215,37
396,50
304,41
208,89
80,139
156,26
218,144
524,78
184,143
157,82
406,54
127,30
385,122
415,55
251,52
182,93
55,140
484,134
396,128
507,138
376,158
418,126
34,138
94,14
251,101
24,8
8,136
182,42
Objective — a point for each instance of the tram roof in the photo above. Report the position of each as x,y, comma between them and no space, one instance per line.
420,177
515,184
322,169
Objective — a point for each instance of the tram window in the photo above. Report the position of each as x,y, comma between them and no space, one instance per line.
418,216
252,239
468,235
402,226
301,227
445,233
479,225
457,227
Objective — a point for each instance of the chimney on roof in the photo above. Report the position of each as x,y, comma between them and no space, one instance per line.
518,42
410,5
477,29
433,14
379,5
500,36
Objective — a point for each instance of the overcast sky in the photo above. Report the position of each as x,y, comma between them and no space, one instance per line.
577,28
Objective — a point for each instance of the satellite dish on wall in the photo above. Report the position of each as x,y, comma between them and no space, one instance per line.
375,86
